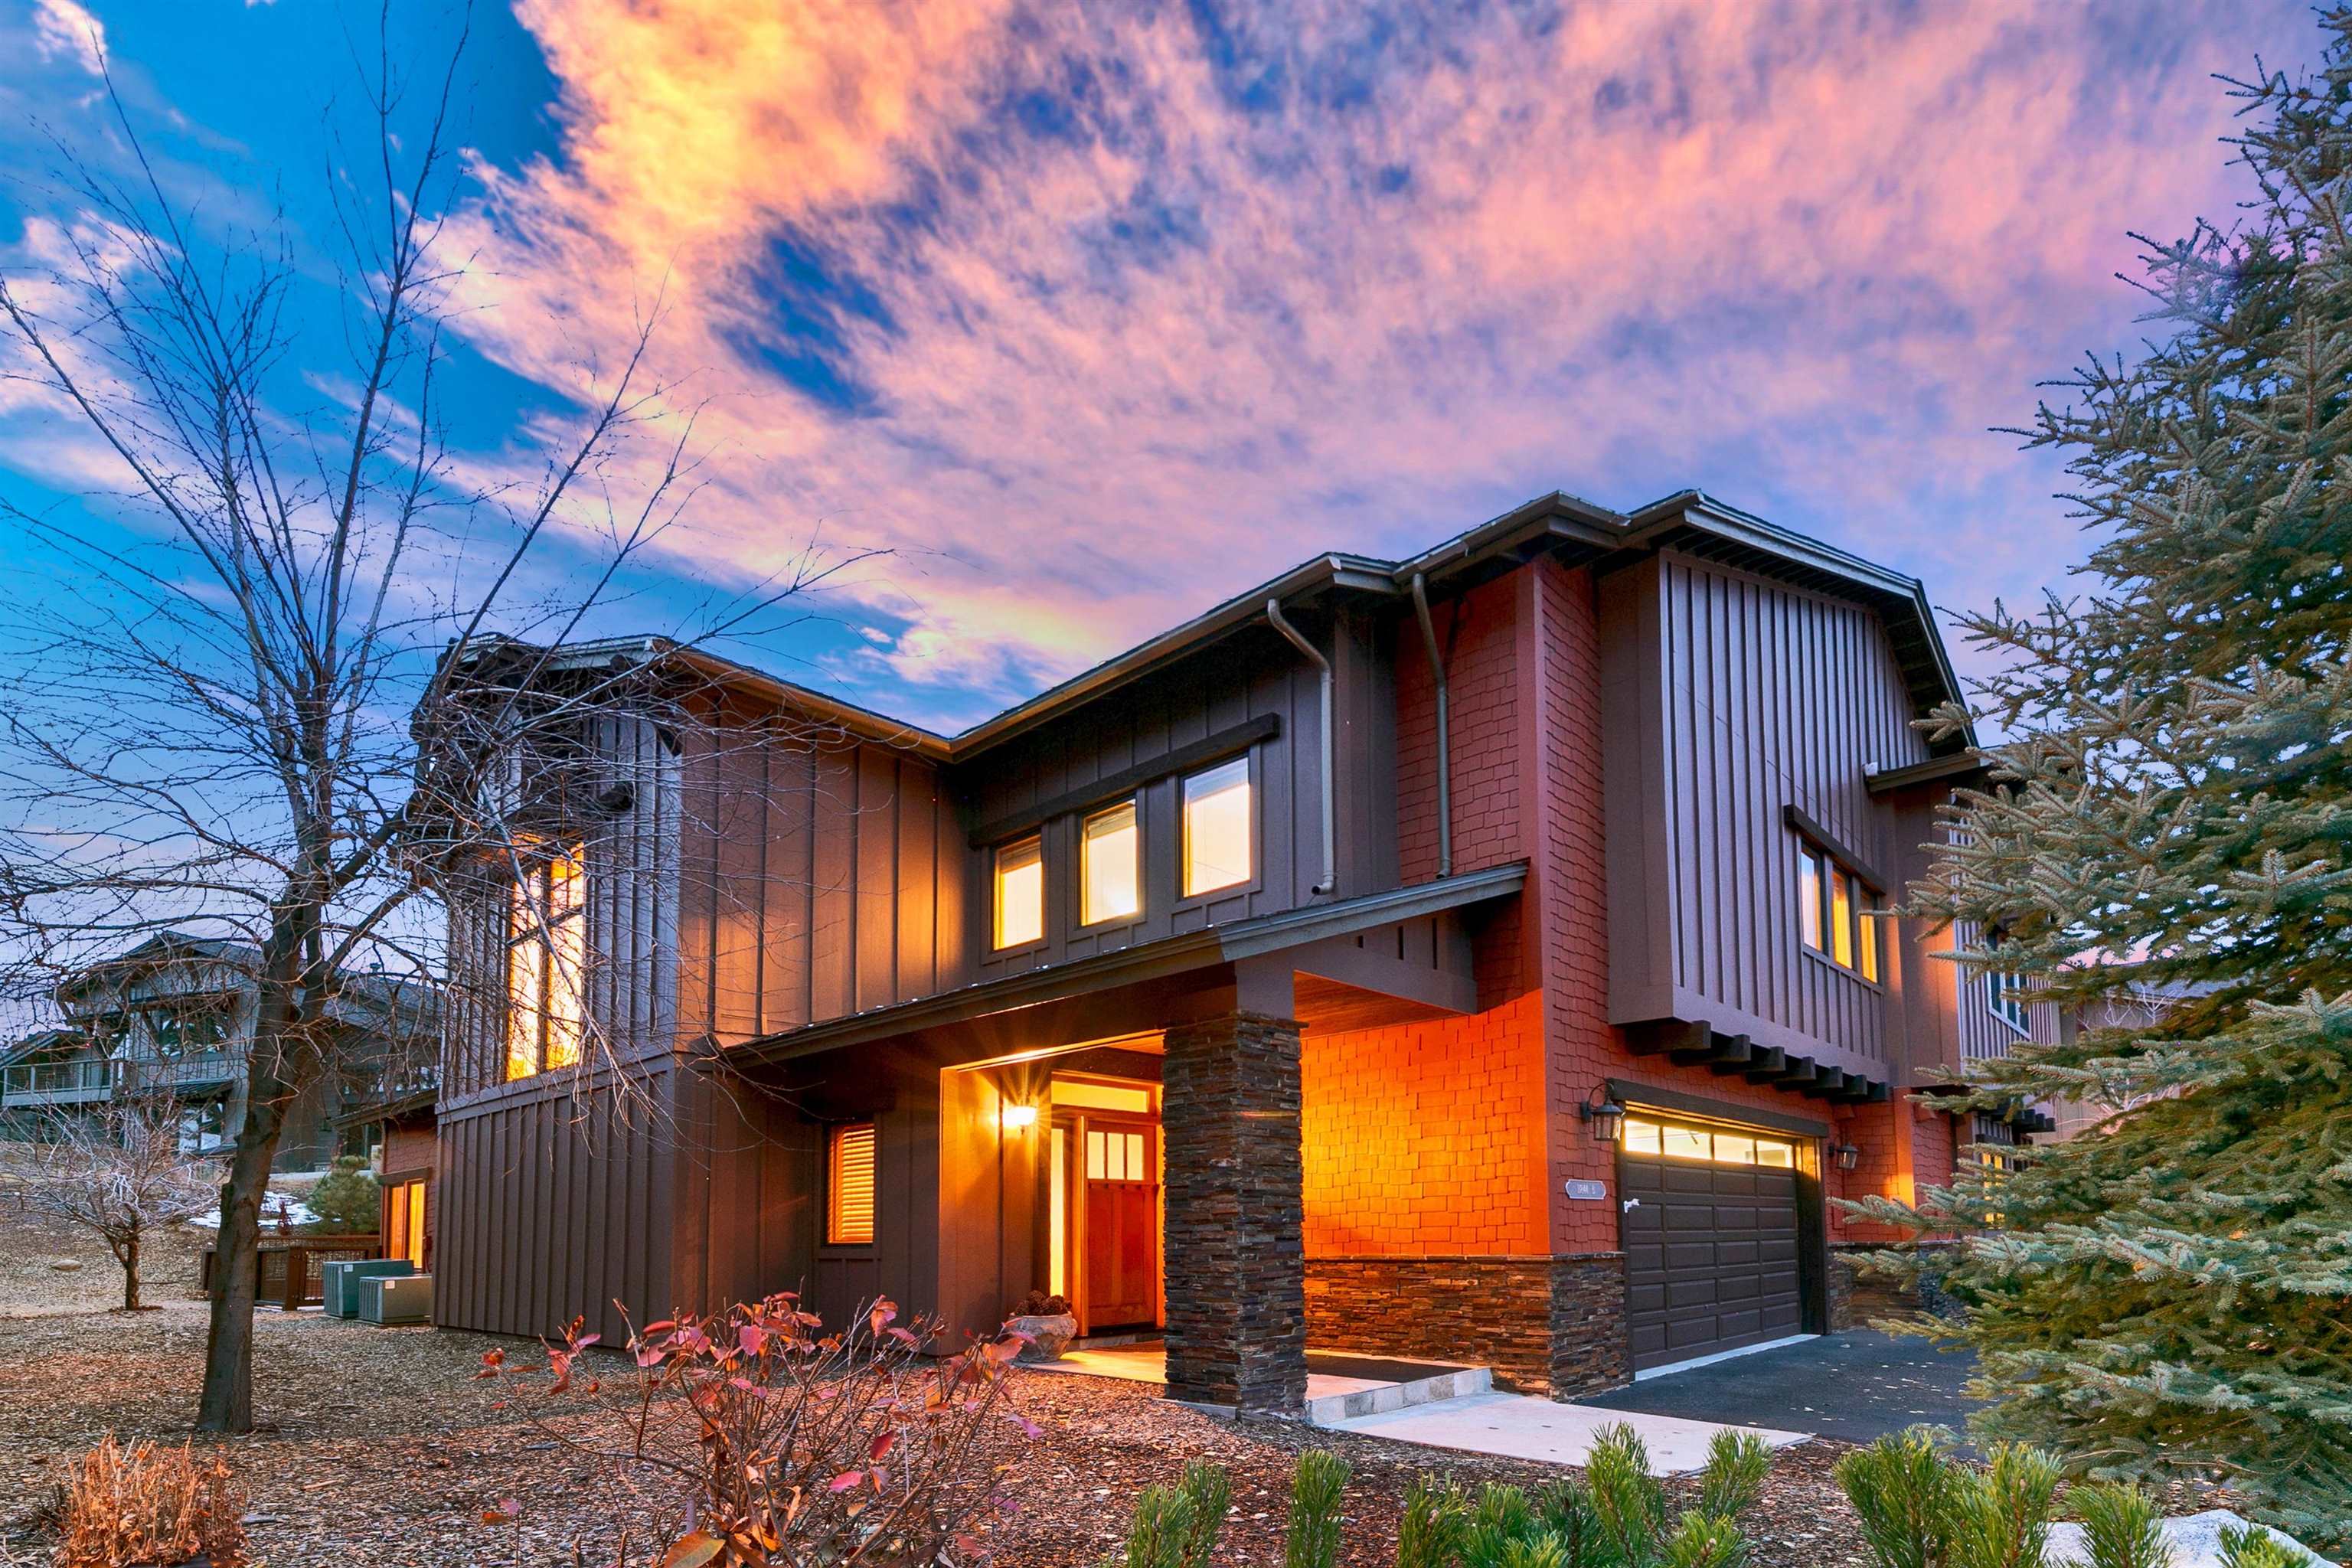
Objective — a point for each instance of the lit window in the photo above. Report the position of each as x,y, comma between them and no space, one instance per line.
1020,894
1114,1156
1641,1137
1107,860
1841,919
1217,827
1134,1098
1686,1143
547,951
1809,897
1866,936
849,1186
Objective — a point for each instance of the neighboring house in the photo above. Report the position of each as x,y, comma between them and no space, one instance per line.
396,1128
174,1017
1467,956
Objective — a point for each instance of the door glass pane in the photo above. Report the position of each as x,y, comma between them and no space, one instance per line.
1108,856
1217,827
415,1251
1020,894
1057,1219
1135,1170
1095,1159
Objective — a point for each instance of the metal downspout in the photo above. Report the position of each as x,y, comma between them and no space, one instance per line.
1444,756
1330,855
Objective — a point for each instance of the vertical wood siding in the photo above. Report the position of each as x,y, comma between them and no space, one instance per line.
1763,696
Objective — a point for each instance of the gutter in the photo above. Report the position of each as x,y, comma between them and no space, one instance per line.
1330,855
1444,753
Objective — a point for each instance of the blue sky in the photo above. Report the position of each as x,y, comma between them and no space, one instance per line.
1091,317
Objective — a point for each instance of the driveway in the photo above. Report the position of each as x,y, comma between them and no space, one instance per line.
1857,1386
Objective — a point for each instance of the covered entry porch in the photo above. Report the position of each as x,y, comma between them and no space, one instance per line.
1125,1131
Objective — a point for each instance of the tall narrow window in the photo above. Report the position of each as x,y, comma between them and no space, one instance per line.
1809,897
1841,918
1110,860
1020,878
849,1186
2006,992
1217,827
1865,933
547,953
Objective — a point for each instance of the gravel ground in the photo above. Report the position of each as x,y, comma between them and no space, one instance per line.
381,1449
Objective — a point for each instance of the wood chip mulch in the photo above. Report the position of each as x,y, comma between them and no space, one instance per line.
380,1449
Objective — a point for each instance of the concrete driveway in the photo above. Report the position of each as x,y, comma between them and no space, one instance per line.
1857,1386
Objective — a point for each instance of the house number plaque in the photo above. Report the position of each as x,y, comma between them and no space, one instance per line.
1588,1189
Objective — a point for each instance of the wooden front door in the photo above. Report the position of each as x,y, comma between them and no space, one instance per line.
1118,1168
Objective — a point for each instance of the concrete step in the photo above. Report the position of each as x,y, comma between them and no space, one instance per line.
1341,1387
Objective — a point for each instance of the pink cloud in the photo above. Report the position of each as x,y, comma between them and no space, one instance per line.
1808,251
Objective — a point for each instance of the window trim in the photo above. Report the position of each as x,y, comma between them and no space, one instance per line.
1133,805
1253,879
835,1136
1833,871
997,948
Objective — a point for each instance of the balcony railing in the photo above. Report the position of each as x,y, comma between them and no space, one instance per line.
56,1083
204,1071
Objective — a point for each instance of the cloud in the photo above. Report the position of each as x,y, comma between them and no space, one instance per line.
63,29
1099,315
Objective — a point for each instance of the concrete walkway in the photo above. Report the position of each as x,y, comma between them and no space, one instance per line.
1518,1426
1857,1385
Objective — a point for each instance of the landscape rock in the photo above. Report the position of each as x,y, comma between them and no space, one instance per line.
2195,1540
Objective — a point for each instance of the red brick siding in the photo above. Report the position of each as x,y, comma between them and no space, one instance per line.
1480,641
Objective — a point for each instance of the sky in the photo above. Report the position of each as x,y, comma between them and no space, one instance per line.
1060,324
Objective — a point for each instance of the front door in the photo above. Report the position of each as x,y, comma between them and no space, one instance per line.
1118,1175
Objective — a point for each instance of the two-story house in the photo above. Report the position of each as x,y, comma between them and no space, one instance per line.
171,1019
1475,955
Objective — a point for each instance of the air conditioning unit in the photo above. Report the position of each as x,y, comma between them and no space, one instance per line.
340,1282
396,1298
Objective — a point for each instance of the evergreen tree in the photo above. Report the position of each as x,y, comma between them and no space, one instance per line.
2171,814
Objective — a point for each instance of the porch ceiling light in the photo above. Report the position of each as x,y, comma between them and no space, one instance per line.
1607,1117
1018,1118
1846,1155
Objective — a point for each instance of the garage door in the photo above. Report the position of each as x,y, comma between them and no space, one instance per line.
1711,1256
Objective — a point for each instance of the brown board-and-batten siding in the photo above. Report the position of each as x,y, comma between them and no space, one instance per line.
1733,698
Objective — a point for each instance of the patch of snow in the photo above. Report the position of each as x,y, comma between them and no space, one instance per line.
2195,1541
275,1207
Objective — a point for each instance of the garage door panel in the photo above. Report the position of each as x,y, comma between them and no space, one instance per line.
1711,1257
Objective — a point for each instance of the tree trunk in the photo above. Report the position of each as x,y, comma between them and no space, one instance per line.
226,1403
130,1256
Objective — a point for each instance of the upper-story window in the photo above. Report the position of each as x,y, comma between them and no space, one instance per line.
547,957
1110,866
1834,912
1019,917
2005,994
1218,828
190,1028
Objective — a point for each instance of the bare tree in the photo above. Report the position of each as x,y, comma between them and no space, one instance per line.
250,718
119,1173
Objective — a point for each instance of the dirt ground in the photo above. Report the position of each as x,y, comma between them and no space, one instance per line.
47,1268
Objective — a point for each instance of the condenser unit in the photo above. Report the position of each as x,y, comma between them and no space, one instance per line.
339,1282
396,1298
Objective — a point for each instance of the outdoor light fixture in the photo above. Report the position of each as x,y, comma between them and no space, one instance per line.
1846,1155
1018,1116
1606,1115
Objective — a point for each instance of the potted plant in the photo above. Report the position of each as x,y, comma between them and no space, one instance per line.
1048,1323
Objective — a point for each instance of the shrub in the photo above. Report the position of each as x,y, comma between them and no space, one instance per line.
345,1200
782,1443
149,1505
1563,1525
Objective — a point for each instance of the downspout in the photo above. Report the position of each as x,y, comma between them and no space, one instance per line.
1444,756
1330,856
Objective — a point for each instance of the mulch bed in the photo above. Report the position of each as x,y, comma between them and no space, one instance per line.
379,1449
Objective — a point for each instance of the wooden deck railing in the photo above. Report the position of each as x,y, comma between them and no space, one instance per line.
290,1274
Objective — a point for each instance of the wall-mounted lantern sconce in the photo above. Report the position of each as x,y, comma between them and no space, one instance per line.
1846,1155
1607,1117
1020,1118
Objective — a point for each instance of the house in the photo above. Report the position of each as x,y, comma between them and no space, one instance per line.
397,1129
172,1017
1472,956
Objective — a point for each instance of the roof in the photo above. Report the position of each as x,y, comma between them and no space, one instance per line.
1688,520
359,991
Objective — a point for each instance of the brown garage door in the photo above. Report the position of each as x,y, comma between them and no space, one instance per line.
1711,1257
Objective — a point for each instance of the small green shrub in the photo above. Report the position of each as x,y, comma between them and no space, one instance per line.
345,1200
1315,1492
2253,1548
2121,1527
1208,1491
1435,1527
1901,1489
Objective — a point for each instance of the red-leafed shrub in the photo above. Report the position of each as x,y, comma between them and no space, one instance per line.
782,1444
149,1505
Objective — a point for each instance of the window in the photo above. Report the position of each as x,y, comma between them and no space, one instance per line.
404,1207
2005,994
190,1028
547,953
849,1186
1020,917
1114,1156
1217,827
1834,908
1110,881
1643,1136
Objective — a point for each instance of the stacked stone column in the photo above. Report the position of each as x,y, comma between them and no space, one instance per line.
1234,1256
